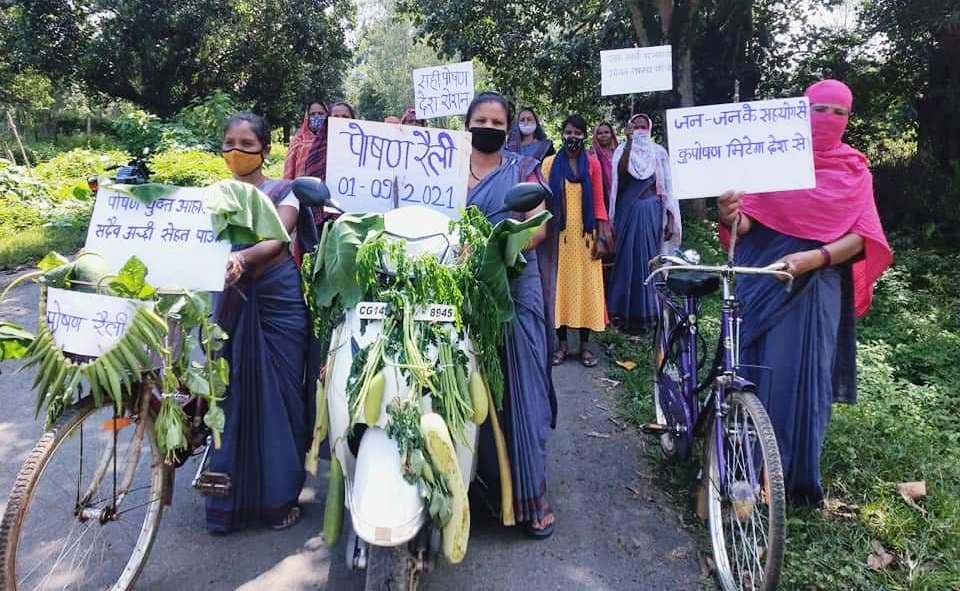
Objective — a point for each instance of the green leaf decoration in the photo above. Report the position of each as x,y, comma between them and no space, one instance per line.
14,341
243,214
146,193
504,252
131,282
337,275
52,261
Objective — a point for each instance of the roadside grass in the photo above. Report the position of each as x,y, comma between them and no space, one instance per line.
31,244
905,427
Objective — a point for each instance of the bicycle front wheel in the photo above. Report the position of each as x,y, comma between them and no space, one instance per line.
746,498
85,506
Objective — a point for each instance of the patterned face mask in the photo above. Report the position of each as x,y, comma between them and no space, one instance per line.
316,121
573,143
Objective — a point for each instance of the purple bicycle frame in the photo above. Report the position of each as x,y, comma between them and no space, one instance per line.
685,415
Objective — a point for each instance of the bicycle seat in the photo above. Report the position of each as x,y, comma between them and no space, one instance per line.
692,283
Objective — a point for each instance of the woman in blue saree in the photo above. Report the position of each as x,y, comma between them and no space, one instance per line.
529,408
263,311
800,347
646,222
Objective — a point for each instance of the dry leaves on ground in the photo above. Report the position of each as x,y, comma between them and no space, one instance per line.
879,559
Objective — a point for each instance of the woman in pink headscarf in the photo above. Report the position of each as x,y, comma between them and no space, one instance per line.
313,127
604,144
831,239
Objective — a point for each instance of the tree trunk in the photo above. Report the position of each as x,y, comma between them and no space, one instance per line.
16,136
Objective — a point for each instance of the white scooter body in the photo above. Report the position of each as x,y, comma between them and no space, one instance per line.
385,509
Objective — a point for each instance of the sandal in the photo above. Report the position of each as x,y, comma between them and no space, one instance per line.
541,533
293,516
588,359
559,356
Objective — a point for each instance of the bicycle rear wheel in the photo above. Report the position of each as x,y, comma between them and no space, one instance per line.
75,518
747,503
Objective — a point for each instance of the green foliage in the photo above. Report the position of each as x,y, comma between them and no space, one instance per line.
137,130
205,117
163,55
188,168
902,429
65,175
381,83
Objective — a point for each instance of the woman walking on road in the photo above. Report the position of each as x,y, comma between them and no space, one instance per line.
263,312
576,182
529,407
833,243
646,222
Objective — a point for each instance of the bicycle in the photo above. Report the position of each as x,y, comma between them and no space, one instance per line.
86,503
744,476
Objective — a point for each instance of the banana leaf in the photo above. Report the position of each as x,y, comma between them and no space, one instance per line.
243,214
502,256
334,266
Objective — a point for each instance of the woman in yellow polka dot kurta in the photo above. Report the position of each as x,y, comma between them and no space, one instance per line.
576,181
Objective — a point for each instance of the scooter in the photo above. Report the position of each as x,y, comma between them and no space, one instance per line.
393,540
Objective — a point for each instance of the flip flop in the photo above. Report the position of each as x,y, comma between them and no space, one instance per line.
292,518
559,356
542,533
588,359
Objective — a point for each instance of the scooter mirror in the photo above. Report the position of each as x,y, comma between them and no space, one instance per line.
311,191
525,197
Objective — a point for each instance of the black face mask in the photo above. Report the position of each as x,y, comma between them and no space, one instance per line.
573,144
487,139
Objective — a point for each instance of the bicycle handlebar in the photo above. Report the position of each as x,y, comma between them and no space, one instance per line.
678,264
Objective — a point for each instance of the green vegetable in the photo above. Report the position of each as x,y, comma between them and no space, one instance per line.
333,509
456,532
478,395
374,399
88,269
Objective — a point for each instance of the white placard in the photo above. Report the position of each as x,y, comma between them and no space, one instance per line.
87,323
441,91
757,147
636,69
173,236
375,167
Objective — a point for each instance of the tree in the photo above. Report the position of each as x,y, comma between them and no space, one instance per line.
161,55
381,81
551,57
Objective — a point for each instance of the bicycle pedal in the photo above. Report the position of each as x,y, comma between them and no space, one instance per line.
655,429
214,484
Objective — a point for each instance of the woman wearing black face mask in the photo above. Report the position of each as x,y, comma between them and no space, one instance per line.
267,404
576,181
529,407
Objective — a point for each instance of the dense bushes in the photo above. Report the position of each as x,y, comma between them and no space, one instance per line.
918,195
199,126
49,205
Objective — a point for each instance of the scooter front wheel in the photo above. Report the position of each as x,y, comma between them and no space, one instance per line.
390,569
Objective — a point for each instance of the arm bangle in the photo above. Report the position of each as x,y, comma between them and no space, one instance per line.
827,260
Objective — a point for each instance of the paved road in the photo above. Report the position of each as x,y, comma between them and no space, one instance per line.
608,536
